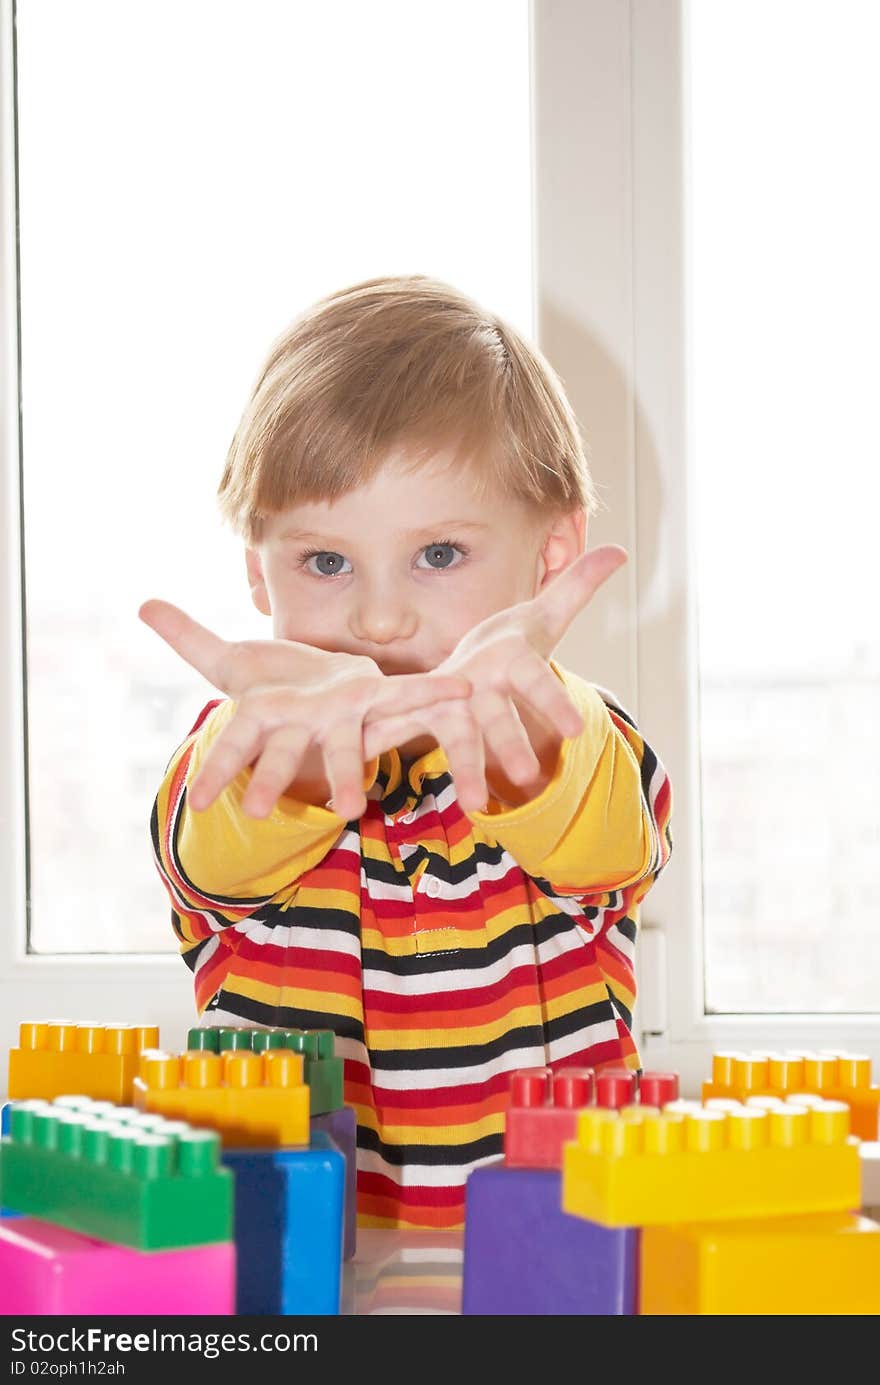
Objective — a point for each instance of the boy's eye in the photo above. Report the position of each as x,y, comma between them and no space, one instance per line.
440,555
326,564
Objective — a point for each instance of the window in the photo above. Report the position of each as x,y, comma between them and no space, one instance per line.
182,184
179,202
704,282
754,286
634,293
785,292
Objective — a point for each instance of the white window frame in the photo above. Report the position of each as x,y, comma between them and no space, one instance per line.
612,315
609,207
149,989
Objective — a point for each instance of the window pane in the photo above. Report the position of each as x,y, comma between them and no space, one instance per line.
785,109
191,175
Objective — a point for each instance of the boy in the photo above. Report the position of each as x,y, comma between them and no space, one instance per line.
404,822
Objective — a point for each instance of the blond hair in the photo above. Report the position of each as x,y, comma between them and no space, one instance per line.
401,362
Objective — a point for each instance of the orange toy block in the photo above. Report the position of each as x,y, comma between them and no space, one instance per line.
836,1075
643,1167
250,1099
817,1264
56,1057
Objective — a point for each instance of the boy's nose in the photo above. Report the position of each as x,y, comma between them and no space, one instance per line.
379,618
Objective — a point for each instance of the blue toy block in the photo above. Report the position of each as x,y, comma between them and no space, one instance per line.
6,1213
288,1228
341,1126
524,1256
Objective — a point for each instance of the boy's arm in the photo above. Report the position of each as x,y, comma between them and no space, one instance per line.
219,864
602,823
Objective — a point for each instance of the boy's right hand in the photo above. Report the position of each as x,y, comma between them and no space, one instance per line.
300,712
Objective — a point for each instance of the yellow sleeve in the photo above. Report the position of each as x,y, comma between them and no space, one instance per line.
591,828
220,857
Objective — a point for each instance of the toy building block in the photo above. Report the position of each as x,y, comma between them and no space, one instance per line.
542,1114
827,1263
50,1271
616,1087
251,1099
341,1126
869,1160
288,1228
59,1056
514,1217
523,1255
74,1163
644,1167
6,1213
542,1111
323,1069
657,1088
834,1075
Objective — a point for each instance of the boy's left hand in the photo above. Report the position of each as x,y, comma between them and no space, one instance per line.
510,728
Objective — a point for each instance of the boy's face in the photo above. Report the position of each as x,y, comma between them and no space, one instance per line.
402,567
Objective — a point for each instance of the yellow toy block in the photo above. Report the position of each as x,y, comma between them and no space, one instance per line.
708,1165
869,1158
827,1263
251,1099
55,1057
834,1074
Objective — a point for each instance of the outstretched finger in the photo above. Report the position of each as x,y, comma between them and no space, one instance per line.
538,687
561,600
505,736
390,732
399,693
195,643
344,768
275,770
235,748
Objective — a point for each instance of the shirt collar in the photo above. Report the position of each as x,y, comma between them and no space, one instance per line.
400,791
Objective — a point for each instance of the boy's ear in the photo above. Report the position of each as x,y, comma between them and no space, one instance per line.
257,582
564,541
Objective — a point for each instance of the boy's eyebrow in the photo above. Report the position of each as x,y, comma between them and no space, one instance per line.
433,528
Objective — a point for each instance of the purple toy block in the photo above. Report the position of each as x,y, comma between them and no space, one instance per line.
46,1270
341,1126
524,1256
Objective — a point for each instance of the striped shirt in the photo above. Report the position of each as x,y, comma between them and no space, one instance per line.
444,949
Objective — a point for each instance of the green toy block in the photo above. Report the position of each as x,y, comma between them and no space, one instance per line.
324,1078
322,1070
150,1184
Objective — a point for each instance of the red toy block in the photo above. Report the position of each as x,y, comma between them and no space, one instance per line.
657,1088
542,1114
616,1087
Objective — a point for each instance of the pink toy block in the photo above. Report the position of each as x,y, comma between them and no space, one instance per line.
46,1270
